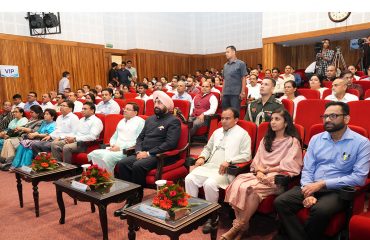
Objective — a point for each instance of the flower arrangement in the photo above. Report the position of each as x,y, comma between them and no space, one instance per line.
44,161
172,198
96,177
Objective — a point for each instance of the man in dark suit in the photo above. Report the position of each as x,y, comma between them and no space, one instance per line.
161,133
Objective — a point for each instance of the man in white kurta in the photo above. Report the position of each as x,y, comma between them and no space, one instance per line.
128,129
228,145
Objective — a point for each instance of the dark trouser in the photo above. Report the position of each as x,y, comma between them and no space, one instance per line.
197,124
231,101
135,171
41,147
289,203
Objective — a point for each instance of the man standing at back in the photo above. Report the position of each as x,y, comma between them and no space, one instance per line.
234,73
64,82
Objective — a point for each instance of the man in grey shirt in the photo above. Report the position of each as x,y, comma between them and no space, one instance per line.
234,73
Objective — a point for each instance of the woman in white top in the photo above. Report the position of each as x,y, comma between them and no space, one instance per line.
316,84
291,93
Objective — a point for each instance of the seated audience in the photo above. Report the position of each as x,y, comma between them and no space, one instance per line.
150,86
128,129
19,120
260,110
66,125
173,85
88,130
190,86
228,145
24,154
66,92
119,94
279,151
60,98
93,91
98,89
203,104
316,84
287,75
279,86
151,141
353,70
90,98
80,94
142,88
17,101
339,92
348,76
86,88
331,73
297,77
78,105
19,133
218,81
268,73
253,88
158,86
367,77
46,102
211,80
53,94
125,89
292,94
181,93
31,100
6,116
108,105
336,158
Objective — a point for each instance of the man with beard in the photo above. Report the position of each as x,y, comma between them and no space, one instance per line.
336,158
161,133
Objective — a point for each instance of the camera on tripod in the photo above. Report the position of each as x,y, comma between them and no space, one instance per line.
361,42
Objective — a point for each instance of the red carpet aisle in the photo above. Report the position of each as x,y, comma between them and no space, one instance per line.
18,224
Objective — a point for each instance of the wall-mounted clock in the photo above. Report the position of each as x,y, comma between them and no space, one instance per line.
338,16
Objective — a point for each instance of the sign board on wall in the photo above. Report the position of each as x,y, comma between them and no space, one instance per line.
9,71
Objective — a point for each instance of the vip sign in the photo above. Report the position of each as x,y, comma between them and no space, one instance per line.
9,71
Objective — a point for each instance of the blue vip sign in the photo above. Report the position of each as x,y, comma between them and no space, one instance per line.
9,71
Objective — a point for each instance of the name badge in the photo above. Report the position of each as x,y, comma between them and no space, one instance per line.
26,169
153,211
79,186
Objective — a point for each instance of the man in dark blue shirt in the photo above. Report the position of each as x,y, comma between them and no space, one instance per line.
124,75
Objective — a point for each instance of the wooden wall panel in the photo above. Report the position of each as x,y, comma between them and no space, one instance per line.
41,63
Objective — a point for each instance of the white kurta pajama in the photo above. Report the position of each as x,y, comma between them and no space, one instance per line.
124,137
233,146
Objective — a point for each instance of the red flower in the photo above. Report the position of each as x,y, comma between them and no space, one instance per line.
91,181
38,157
44,164
53,161
180,189
169,183
165,203
156,201
173,193
165,189
183,202
48,155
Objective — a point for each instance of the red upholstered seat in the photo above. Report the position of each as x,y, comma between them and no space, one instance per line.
184,106
308,114
359,227
175,171
318,128
327,84
112,121
364,84
288,105
130,95
149,107
367,94
359,112
81,158
309,93
170,94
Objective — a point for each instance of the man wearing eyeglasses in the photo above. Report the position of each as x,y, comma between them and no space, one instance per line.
66,125
339,92
336,158
31,100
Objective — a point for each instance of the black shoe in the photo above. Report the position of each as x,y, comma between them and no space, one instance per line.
6,166
207,227
119,212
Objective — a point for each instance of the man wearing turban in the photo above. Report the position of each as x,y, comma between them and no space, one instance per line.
161,133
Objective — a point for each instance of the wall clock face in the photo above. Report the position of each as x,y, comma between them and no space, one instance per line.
338,16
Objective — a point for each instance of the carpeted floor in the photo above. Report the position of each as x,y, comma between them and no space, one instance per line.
20,223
